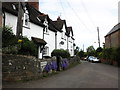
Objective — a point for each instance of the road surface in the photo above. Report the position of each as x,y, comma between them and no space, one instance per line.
84,75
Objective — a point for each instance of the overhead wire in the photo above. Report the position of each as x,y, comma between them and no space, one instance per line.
89,16
77,16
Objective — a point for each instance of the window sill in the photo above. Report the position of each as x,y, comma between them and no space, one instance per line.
26,27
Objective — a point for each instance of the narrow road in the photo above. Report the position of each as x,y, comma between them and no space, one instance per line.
85,75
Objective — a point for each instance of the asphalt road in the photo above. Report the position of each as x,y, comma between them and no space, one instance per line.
84,75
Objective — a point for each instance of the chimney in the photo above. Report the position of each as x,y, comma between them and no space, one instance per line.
58,18
34,3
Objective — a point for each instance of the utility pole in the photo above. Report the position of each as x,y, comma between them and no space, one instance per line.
20,20
83,47
98,36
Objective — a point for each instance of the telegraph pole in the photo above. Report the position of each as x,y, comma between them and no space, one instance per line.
19,21
98,36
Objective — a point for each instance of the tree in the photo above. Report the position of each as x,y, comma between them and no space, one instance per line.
81,54
91,51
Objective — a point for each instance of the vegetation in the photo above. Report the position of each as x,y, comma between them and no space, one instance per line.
60,52
81,54
91,51
14,45
28,47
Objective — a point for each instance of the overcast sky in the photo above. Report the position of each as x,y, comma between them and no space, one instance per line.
84,16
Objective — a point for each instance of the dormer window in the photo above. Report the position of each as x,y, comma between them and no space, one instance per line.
13,6
46,27
26,19
38,19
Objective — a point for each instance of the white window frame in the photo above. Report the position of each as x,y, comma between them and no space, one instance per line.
46,28
46,51
26,22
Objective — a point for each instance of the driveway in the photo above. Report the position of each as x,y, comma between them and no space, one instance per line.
84,75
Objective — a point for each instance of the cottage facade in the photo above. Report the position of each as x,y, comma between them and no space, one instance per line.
47,34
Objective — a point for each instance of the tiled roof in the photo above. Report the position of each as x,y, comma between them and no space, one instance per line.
114,29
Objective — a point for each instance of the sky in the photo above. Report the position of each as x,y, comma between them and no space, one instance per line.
84,16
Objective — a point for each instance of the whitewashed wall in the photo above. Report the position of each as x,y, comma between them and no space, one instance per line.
50,39
59,39
11,21
70,46
33,31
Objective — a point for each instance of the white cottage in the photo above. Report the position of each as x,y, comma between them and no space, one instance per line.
61,33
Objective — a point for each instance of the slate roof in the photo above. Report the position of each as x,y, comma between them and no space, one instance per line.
59,24
33,14
69,30
114,29
7,6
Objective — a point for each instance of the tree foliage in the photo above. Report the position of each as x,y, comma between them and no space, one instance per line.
91,51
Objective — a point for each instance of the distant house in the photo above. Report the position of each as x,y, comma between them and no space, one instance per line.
112,39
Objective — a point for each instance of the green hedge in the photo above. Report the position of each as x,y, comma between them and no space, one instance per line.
111,53
60,52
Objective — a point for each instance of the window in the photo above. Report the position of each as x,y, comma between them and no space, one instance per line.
26,20
63,36
46,51
38,19
13,6
46,31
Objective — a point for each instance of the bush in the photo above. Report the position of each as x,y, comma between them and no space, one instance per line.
60,52
9,41
8,38
110,54
28,47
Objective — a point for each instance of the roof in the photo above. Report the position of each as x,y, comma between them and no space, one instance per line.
59,24
34,14
114,29
7,6
39,41
69,30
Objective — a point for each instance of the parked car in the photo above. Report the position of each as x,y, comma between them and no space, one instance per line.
93,59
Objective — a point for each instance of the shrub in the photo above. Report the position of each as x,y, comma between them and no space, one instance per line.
8,38
60,52
28,47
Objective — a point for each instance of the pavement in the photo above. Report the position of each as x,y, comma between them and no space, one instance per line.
84,75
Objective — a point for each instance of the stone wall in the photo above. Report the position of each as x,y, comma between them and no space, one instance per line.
19,67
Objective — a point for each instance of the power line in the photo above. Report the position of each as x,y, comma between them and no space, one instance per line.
77,15
89,16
